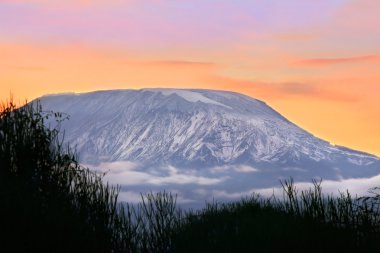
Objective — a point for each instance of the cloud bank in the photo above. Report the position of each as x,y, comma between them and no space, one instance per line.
219,183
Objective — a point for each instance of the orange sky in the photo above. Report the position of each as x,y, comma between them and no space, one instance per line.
321,73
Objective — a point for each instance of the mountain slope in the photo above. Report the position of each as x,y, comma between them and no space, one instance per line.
203,131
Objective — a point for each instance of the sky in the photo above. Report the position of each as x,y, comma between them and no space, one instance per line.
316,62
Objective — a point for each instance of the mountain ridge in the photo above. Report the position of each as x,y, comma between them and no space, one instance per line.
199,128
207,90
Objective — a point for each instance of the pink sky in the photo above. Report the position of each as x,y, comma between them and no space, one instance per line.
316,62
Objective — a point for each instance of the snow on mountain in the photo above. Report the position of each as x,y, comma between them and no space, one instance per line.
200,134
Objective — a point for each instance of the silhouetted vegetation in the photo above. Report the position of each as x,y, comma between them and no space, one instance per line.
49,203
305,221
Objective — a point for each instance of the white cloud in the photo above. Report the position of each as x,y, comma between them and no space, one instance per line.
356,186
209,182
128,173
359,187
232,195
235,168
209,195
177,177
294,169
129,196
135,197
245,169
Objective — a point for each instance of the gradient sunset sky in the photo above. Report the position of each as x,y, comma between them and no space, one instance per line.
316,62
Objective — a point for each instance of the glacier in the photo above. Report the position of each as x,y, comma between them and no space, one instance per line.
197,143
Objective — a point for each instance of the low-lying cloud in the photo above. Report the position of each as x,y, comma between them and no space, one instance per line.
128,173
233,168
356,186
194,187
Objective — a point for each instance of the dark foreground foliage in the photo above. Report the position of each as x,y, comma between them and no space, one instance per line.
49,203
305,221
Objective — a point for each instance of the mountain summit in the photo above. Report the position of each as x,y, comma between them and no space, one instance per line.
203,131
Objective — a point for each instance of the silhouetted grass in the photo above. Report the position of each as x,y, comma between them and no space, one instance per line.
305,221
49,203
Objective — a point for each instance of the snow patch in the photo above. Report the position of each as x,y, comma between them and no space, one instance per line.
190,96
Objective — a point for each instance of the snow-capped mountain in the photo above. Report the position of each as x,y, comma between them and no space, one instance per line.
203,131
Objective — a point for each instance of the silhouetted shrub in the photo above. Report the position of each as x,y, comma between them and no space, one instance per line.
305,221
48,202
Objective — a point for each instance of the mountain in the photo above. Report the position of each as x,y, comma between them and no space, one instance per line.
205,134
